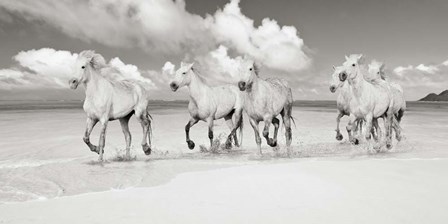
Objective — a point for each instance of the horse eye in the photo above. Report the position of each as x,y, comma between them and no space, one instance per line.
378,73
183,73
83,67
250,69
353,65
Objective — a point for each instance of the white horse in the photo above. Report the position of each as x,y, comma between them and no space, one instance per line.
377,72
108,99
209,104
342,103
264,100
370,100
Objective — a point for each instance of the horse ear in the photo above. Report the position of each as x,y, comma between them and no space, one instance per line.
191,66
346,57
361,59
382,67
97,61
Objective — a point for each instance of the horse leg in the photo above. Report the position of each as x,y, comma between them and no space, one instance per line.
254,125
89,127
190,124
210,131
229,122
104,122
146,125
376,130
124,122
267,124
397,128
276,123
351,129
238,116
286,117
369,118
388,122
339,136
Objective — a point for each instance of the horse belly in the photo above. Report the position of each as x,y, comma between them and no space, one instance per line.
122,106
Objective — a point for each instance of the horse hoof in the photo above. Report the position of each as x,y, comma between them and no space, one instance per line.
355,141
398,138
190,144
272,143
228,145
388,146
146,149
339,137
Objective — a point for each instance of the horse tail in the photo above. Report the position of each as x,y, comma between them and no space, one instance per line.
294,121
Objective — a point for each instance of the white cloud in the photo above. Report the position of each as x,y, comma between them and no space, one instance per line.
431,69
422,79
50,65
163,26
168,68
50,68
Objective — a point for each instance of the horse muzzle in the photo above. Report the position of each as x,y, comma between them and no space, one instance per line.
332,89
174,87
73,83
242,86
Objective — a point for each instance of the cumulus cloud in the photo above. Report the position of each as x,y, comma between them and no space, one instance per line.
161,26
50,68
422,79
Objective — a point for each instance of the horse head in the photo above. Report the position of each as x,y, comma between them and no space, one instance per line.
337,78
353,64
377,70
86,61
248,72
182,76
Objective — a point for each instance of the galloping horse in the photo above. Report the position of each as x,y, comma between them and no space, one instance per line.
108,99
343,104
264,101
370,100
377,72
209,104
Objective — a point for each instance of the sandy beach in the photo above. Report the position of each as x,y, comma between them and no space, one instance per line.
48,175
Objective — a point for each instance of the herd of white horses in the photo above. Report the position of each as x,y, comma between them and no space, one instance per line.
365,95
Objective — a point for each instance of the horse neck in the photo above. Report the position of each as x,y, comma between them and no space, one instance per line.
92,83
358,84
345,91
197,88
254,89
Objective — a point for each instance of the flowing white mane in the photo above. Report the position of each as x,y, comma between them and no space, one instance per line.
107,71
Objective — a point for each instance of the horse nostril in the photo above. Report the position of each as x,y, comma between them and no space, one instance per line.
332,89
242,85
342,76
173,86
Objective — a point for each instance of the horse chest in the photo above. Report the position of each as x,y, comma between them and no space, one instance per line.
199,110
94,109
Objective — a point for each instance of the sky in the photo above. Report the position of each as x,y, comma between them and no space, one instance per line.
295,40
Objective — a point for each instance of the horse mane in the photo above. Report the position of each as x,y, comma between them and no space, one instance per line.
198,74
378,67
97,61
256,68
108,72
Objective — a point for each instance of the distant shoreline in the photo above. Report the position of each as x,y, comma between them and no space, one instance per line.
26,105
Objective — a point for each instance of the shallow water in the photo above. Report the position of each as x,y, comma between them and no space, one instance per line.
42,154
